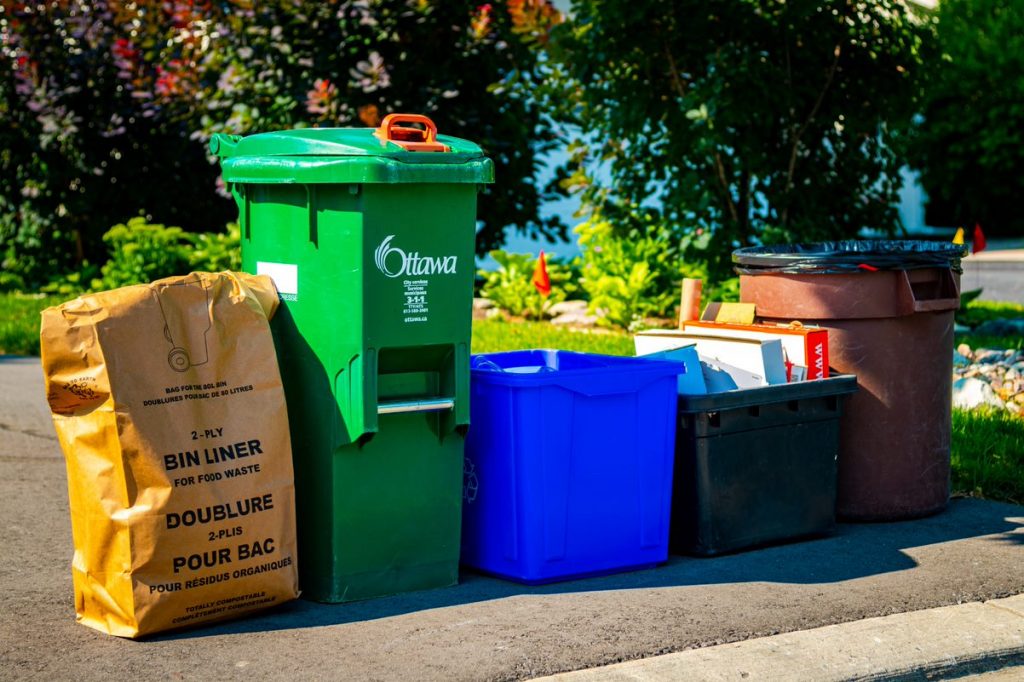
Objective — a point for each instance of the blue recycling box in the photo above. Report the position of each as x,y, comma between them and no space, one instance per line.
568,468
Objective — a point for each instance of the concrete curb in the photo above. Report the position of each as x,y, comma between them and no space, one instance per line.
930,644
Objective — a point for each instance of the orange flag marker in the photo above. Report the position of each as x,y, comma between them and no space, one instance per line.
540,277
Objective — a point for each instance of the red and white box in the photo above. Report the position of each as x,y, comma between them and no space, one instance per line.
804,346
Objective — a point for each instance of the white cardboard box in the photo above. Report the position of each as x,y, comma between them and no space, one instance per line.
761,360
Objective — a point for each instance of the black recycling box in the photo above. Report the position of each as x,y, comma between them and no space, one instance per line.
756,466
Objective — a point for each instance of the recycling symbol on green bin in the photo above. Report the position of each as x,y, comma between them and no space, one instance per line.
470,483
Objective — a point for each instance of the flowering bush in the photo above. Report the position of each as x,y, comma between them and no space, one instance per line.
350,63
83,142
105,105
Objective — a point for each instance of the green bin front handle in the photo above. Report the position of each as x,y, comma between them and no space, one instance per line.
452,403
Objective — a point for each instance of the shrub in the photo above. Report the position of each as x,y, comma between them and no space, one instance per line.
630,272
31,248
216,251
74,282
511,289
140,252
84,140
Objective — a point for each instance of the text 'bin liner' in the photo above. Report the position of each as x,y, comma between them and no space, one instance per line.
889,311
168,404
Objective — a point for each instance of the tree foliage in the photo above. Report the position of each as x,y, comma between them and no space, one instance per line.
747,119
106,105
969,142
81,145
271,65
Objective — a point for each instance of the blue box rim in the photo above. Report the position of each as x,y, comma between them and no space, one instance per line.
633,366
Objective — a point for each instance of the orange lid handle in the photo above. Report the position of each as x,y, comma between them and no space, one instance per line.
410,139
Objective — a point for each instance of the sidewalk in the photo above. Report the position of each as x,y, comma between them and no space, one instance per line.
942,643
486,628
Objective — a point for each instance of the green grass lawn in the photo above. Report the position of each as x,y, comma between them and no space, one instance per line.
19,322
982,341
988,446
491,336
977,312
988,454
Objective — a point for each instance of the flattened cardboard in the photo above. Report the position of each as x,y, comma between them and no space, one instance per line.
691,381
804,346
761,358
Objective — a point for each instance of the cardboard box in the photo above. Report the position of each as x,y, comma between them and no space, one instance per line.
804,346
691,381
720,376
761,360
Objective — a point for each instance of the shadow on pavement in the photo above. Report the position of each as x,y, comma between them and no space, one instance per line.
854,551
19,359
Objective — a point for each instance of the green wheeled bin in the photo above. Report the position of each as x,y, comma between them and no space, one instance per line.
369,237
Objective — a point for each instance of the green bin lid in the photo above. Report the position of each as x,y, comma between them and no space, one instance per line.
389,154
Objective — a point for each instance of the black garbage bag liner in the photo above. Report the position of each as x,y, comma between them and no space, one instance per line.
855,255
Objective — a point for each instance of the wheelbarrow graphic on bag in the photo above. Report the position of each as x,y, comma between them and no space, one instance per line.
186,311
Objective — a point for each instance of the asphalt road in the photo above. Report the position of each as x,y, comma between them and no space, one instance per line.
484,628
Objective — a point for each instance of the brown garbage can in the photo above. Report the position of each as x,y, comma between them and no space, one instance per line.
888,306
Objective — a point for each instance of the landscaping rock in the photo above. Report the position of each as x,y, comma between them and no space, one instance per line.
969,393
578,318
482,303
568,307
987,357
989,377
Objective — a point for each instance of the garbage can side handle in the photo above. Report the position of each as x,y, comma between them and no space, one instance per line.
942,283
224,145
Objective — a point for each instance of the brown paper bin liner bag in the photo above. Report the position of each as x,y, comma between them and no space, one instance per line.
169,408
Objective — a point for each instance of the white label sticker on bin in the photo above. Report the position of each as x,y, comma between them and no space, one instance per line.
285,276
